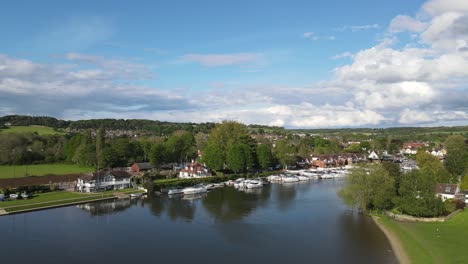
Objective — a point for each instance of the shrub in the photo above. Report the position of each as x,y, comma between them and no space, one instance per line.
450,206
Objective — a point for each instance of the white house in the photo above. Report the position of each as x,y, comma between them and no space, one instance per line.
446,191
105,180
194,170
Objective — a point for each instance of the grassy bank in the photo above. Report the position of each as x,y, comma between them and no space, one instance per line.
441,242
17,171
41,130
56,199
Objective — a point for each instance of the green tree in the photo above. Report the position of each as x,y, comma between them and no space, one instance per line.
180,147
157,154
456,160
353,148
100,143
264,156
214,157
284,152
85,153
368,187
236,158
394,171
431,166
417,195
464,183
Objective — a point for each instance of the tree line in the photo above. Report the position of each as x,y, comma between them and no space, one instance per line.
385,187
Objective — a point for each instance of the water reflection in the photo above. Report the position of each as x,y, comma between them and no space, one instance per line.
175,207
286,194
228,204
107,207
222,226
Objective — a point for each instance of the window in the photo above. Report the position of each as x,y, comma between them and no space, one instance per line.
447,189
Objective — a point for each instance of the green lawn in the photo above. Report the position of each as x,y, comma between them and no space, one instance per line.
41,130
57,198
433,242
17,171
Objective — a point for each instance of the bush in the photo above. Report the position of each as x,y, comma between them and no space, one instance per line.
450,206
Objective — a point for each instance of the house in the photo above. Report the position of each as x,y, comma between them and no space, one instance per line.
446,191
194,170
104,180
141,166
411,148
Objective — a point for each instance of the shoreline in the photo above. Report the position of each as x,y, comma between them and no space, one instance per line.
55,206
395,243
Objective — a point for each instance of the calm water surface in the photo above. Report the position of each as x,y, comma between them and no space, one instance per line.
290,223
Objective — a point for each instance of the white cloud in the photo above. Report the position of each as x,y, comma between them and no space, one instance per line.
212,60
313,36
308,34
436,7
420,81
403,23
345,54
364,27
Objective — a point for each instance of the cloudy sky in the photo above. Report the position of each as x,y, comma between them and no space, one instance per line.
302,64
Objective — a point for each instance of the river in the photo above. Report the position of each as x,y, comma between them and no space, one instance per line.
289,223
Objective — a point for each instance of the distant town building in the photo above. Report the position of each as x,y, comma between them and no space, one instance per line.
141,167
194,170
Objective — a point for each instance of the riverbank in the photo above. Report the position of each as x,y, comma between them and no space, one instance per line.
58,199
397,248
418,242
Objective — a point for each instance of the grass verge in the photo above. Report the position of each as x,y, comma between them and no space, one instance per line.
18,171
440,242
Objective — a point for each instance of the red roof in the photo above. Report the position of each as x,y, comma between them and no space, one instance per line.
413,145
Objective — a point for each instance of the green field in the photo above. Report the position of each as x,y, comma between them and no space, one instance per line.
17,171
41,130
433,242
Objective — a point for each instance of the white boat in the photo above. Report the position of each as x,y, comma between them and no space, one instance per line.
240,183
212,186
274,178
303,178
287,179
136,195
254,184
194,189
177,190
2,196
13,196
24,195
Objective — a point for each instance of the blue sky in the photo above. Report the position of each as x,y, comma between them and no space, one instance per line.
237,57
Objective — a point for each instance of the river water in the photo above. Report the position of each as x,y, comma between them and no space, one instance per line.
289,223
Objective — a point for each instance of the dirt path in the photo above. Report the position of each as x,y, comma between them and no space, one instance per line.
394,242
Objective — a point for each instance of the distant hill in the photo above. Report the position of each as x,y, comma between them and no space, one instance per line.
162,127
41,130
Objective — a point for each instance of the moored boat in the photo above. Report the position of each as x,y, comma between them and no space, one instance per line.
136,195
287,179
194,189
176,190
254,184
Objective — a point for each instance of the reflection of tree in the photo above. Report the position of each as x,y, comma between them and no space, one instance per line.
156,205
285,195
107,207
229,204
175,207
